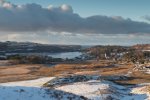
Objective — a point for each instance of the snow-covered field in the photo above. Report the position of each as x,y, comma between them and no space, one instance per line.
33,90
30,83
91,89
104,90
142,89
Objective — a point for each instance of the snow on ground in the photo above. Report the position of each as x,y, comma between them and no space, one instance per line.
33,93
101,90
30,83
92,89
148,71
33,90
142,89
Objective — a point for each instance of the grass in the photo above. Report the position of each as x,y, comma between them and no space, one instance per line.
103,68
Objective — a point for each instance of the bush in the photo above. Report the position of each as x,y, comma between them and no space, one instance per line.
35,59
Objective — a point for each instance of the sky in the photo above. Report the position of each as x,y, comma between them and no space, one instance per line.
84,22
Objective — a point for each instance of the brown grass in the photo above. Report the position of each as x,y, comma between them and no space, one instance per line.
104,68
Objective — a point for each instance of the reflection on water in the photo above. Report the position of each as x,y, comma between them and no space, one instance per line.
63,55
69,55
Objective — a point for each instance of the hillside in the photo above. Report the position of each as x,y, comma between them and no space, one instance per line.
142,47
85,89
28,47
33,90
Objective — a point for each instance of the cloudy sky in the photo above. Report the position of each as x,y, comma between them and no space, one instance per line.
86,22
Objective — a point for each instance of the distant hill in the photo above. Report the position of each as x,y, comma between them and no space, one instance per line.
145,47
110,48
25,47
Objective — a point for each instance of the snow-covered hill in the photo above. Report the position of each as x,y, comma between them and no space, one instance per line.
96,88
89,88
33,90
103,90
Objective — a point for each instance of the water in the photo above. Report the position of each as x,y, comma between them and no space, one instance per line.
63,55
69,55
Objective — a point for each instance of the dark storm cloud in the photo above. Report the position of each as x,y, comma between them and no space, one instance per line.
33,17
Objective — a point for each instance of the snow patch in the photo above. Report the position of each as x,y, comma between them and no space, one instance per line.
78,88
29,83
33,90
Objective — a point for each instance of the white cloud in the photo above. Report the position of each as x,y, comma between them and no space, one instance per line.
66,8
34,18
